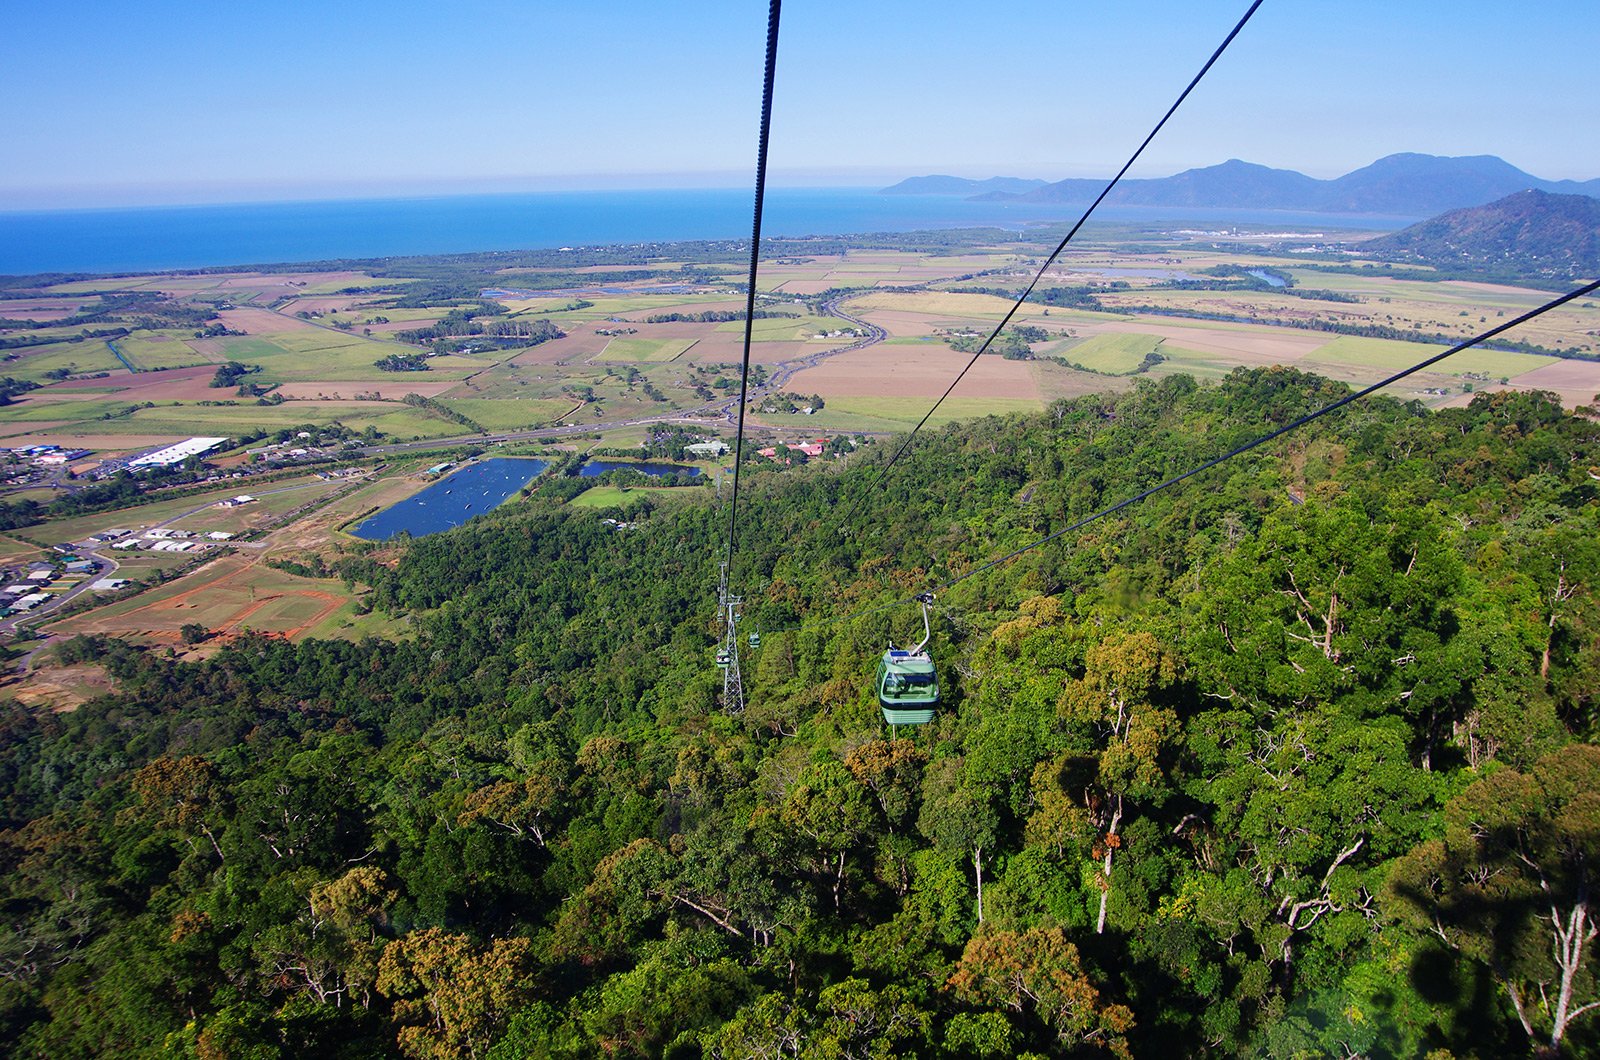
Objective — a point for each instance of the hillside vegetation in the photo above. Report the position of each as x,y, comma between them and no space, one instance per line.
1292,761
1531,233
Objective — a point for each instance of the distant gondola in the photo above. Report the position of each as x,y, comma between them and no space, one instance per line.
907,686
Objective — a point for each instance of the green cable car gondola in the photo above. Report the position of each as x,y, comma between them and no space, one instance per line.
724,659
755,640
907,686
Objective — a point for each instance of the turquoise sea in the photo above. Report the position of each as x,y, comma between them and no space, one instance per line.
155,238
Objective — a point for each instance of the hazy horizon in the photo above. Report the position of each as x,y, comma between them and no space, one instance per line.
177,103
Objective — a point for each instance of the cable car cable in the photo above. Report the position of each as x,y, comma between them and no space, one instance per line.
1239,450
773,13
1063,246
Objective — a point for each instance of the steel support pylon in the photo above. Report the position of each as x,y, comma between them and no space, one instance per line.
732,682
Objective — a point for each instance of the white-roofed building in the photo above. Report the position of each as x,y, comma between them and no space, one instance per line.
177,454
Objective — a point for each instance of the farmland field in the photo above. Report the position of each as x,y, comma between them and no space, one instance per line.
644,351
510,414
228,596
1385,353
1111,354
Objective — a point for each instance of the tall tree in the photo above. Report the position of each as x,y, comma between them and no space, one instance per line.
1509,886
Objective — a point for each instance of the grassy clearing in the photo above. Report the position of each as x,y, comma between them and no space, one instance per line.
1109,354
345,624
602,497
643,351
13,551
1192,362
510,414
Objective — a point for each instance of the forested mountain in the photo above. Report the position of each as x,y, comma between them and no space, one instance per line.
1531,233
1414,185
1294,761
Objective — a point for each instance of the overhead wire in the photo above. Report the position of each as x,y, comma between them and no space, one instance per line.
1238,450
773,13
1060,247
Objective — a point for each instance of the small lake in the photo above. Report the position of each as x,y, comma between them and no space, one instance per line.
1270,279
453,500
596,468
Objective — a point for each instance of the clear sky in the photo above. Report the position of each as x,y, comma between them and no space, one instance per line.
107,102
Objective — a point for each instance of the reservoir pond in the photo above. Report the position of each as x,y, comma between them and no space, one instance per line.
478,488
452,500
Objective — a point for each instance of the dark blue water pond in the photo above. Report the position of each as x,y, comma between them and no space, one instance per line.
596,468
452,501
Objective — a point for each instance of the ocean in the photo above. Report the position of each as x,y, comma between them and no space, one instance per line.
156,238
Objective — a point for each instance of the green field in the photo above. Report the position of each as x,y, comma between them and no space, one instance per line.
643,351
510,414
616,497
39,409
1207,366
785,329
312,356
1109,354
147,351
1389,353
91,355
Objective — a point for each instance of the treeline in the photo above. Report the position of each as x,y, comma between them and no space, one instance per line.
1295,760
715,316
19,342
462,322
443,411
11,388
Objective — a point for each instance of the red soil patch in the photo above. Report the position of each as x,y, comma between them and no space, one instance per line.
168,384
1257,346
1577,382
161,620
915,371
262,322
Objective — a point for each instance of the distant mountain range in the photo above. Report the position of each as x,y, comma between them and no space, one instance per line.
939,184
1531,233
1408,185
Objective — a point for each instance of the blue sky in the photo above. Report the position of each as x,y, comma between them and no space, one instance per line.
108,102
